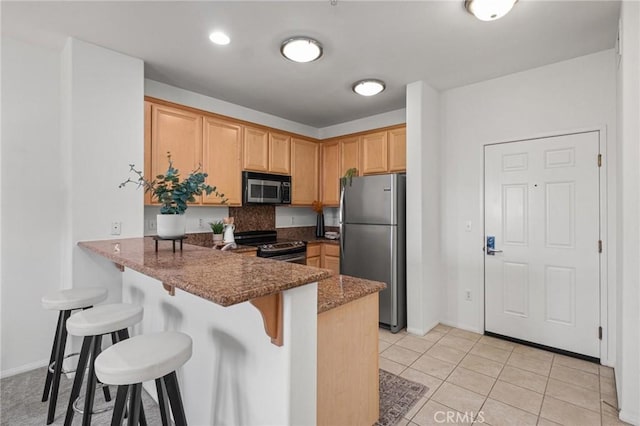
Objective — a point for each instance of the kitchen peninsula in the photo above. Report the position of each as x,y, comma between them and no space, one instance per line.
273,360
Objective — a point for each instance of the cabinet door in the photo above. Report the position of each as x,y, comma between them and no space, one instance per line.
350,155
279,153
374,153
304,171
332,263
256,149
331,173
178,132
398,150
221,152
147,148
313,261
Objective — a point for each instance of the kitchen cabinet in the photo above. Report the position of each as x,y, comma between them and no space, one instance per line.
331,173
221,159
279,153
304,171
256,149
313,254
330,257
147,148
374,153
349,154
397,139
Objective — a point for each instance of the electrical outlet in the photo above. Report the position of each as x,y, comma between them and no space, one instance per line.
115,228
293,220
200,223
152,225
467,294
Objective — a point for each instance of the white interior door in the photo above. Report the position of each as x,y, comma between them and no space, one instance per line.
542,207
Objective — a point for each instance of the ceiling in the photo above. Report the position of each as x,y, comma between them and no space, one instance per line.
396,41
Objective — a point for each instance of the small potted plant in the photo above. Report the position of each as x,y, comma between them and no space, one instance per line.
217,228
173,195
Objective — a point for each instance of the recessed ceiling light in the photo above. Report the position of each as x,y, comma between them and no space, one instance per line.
301,49
218,37
368,87
489,10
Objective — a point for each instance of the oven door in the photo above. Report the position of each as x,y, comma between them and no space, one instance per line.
300,258
263,191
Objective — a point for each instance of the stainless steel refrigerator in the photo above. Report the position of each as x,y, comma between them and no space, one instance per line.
372,239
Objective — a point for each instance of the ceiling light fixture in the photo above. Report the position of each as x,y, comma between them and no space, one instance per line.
368,87
301,49
218,37
489,10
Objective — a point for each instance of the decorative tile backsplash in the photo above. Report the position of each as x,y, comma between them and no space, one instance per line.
254,218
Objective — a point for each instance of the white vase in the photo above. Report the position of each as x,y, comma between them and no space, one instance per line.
171,225
217,238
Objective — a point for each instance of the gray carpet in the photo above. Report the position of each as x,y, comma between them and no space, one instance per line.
397,396
20,402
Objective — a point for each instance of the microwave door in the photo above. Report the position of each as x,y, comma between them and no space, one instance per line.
271,192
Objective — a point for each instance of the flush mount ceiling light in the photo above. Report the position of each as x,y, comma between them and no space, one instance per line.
218,37
301,49
368,87
489,10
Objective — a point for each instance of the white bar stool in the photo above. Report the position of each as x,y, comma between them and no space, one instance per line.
92,323
154,356
64,301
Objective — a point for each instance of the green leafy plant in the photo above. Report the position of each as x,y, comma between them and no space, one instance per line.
217,227
172,193
348,176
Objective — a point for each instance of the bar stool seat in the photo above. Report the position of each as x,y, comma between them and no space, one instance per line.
74,298
140,359
112,319
64,301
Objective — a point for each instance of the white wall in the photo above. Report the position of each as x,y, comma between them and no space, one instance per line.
32,214
424,289
574,94
628,302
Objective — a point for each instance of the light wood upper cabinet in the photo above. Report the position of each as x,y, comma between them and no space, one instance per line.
331,173
147,149
374,153
179,132
221,159
305,156
256,149
279,153
398,150
349,154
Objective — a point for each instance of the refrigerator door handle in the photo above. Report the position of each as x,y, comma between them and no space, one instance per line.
341,228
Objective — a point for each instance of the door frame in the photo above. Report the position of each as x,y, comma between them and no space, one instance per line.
606,357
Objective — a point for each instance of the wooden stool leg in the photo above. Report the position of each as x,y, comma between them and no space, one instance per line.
77,381
91,382
54,347
134,404
121,403
162,401
55,385
173,390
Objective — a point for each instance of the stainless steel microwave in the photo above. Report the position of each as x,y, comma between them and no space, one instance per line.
263,188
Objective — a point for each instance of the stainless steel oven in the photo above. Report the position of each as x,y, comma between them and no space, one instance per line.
263,188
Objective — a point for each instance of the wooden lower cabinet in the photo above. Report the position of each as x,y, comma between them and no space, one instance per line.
348,383
330,258
314,251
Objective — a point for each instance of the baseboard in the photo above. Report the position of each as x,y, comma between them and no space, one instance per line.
23,368
462,326
419,332
630,416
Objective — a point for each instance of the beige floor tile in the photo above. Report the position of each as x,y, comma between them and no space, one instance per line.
382,345
524,379
497,413
460,399
608,410
433,336
442,328
459,343
433,413
445,353
546,422
578,364
433,366
400,355
468,379
534,365
568,414
390,337
403,422
416,407
417,344
613,421
390,366
608,391
490,352
516,396
576,377
574,394
533,352
498,343
606,372
432,383
482,365
465,334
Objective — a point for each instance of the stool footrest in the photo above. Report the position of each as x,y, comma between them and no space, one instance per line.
63,371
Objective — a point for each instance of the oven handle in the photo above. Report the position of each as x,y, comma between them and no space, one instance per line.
286,258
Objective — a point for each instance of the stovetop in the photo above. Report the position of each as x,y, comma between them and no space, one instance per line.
268,243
